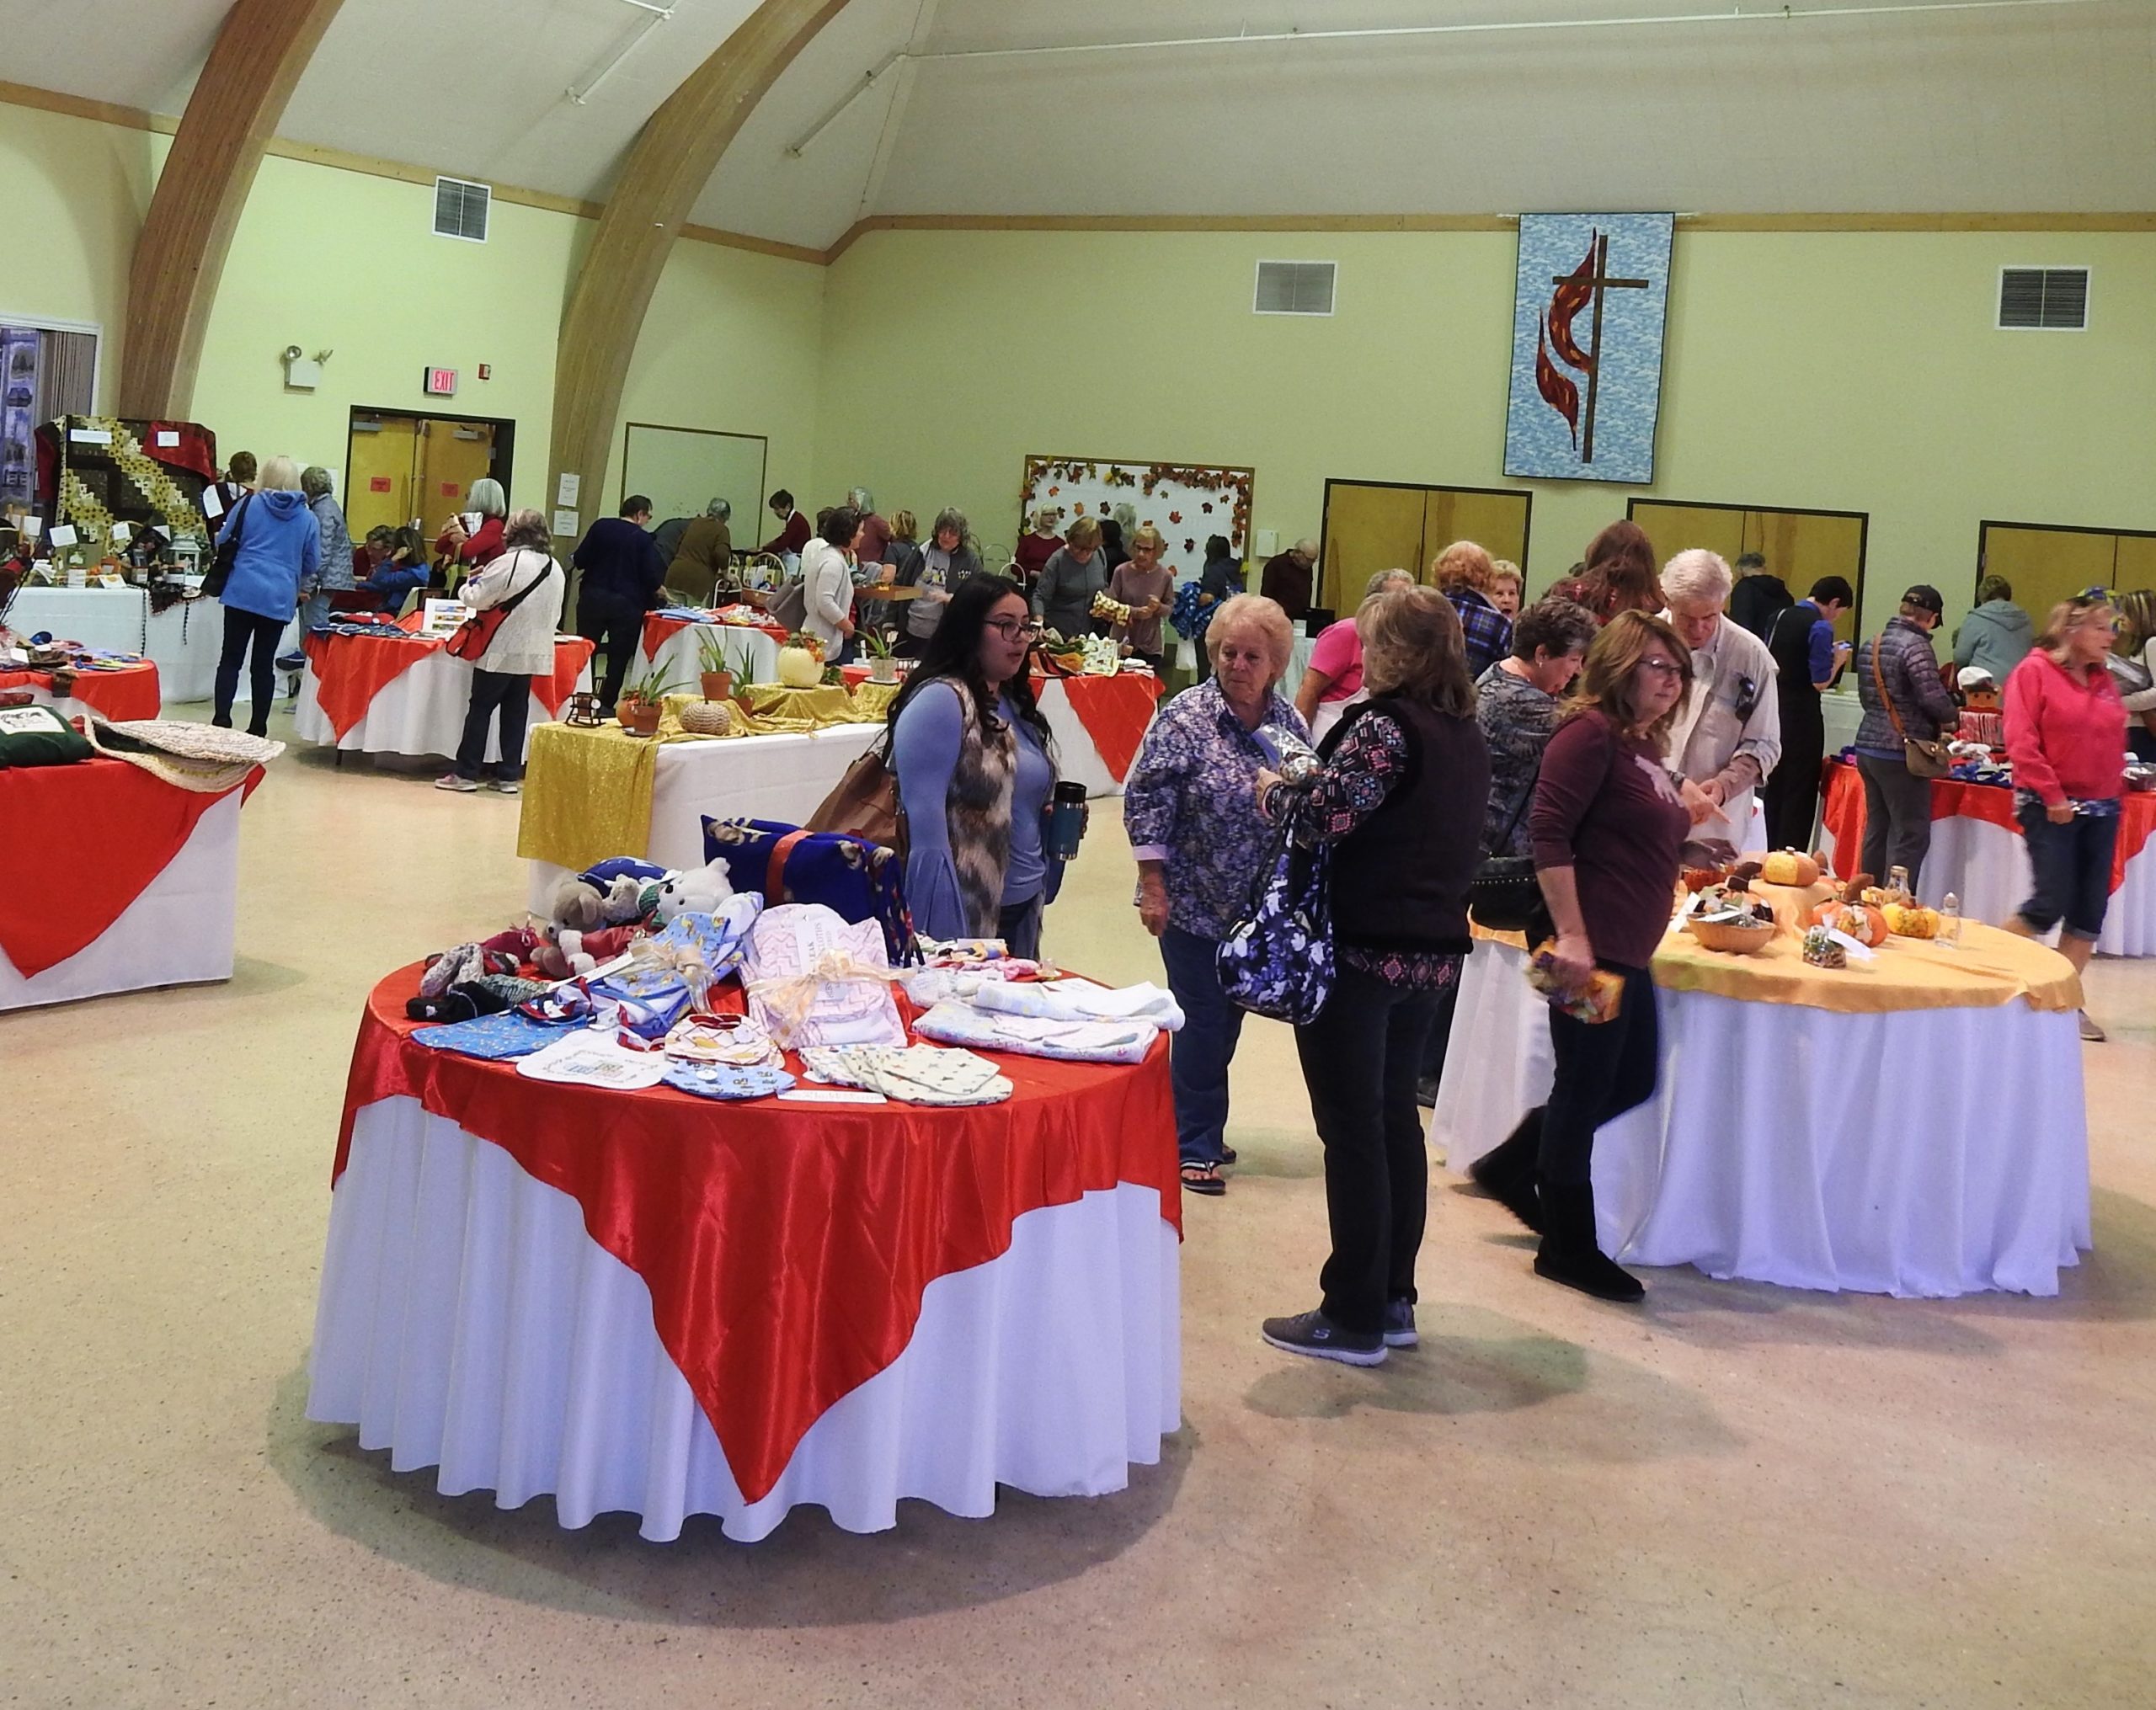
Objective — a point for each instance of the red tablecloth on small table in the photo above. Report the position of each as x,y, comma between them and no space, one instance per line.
1116,712
130,692
84,842
786,1247
1842,815
351,670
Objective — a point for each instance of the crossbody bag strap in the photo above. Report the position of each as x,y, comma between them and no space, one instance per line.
1879,675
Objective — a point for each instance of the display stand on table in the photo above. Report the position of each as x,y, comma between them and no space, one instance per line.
1977,853
381,695
549,1290
113,881
1925,1137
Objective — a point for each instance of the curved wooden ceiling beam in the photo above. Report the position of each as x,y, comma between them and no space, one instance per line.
231,118
669,165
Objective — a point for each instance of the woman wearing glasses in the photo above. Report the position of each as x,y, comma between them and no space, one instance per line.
976,766
1608,824
2066,735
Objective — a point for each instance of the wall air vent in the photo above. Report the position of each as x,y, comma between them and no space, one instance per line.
460,209
2045,299
1294,287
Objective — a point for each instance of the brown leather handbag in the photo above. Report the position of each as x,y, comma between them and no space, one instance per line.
1924,759
866,803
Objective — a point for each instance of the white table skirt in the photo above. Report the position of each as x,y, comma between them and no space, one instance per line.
178,931
1921,1153
419,711
783,778
1987,868
681,659
1077,759
467,1321
182,640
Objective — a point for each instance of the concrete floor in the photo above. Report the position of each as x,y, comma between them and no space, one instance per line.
1738,1496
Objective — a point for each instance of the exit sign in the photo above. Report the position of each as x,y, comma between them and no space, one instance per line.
441,382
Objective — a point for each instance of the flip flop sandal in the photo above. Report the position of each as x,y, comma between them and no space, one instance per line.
1203,1178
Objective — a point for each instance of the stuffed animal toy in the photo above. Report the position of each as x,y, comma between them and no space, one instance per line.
629,901
695,891
508,950
577,905
571,952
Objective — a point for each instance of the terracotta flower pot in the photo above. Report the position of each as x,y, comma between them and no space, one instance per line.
639,717
719,685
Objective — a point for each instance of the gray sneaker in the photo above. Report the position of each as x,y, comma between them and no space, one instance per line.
1400,1324
1317,1335
451,780
508,786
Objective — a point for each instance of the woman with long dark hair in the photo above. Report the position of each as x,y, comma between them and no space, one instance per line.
976,764
1618,574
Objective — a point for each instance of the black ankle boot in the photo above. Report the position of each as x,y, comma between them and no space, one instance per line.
1506,1172
1571,1255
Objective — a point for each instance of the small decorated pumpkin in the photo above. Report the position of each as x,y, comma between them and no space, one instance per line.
1908,920
1789,866
801,662
1866,926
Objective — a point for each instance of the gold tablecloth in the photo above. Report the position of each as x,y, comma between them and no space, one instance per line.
815,709
1989,969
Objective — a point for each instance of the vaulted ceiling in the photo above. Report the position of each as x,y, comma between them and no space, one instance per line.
1900,106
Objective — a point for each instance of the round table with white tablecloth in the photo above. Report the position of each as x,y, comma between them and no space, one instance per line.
1931,1143
182,640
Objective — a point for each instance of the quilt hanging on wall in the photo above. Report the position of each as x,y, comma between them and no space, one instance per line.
1186,502
1588,312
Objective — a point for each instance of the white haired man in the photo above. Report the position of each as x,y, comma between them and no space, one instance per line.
1728,736
1286,579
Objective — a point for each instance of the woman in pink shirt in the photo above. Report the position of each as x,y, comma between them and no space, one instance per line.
1333,681
2065,736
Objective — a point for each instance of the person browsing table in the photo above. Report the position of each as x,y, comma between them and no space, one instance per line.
1897,682
277,549
483,544
1808,661
1147,586
1728,736
620,574
525,578
2065,725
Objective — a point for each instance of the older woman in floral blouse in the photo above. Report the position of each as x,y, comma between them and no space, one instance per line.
1190,807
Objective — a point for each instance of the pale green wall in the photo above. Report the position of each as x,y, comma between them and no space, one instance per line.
346,262
1847,372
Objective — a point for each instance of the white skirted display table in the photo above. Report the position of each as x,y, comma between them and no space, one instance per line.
381,695
675,648
182,640
590,1294
1920,1151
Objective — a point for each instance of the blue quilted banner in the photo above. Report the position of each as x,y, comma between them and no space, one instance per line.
1588,311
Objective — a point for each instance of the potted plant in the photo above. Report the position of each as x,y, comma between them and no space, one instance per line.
883,663
722,671
643,698
801,661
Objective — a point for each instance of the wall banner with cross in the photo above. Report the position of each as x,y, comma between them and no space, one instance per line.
1588,317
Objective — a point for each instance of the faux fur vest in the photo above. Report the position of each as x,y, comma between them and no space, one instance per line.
977,813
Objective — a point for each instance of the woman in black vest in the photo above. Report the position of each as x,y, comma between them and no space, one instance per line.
1401,799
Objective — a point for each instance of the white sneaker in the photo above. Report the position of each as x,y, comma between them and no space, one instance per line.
463,787
508,786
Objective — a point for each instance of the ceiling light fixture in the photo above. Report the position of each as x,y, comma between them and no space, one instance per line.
655,15
1779,14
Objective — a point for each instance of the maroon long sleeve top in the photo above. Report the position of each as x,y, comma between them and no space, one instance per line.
1604,806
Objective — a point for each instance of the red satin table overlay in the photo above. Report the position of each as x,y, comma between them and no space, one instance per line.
1116,712
351,670
120,695
1843,815
659,629
786,1247
87,840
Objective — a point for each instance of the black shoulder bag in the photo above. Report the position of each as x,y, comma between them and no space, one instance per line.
221,562
1504,895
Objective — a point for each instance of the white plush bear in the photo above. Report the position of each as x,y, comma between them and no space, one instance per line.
695,891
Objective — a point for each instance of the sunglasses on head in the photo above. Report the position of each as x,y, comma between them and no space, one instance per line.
2095,596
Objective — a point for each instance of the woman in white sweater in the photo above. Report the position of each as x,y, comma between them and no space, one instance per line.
827,583
527,584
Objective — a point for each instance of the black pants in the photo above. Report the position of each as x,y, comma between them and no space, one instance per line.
2071,867
1604,1069
243,630
1360,1058
512,695
1433,1050
1791,795
1018,925
615,630
1896,817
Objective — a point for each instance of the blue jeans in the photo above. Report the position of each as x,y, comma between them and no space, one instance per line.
2072,866
1198,1056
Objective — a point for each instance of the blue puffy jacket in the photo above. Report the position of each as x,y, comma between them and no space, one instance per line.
279,547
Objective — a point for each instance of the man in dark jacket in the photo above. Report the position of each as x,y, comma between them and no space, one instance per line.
621,573
1759,599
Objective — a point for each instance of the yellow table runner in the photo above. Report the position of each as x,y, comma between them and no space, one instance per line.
1989,969
813,709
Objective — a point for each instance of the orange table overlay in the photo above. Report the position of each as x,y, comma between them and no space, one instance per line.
120,695
786,1247
351,670
1116,712
659,628
88,839
1843,815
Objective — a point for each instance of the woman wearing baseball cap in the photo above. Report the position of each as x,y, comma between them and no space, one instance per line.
1904,699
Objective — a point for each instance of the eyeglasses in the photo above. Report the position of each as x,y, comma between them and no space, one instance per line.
1667,668
1012,629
